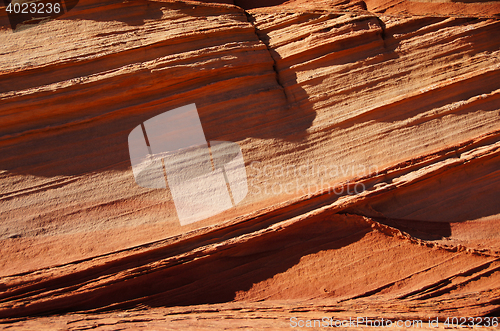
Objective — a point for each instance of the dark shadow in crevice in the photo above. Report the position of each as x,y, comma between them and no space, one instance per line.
495,312
97,140
251,4
211,278
424,230
341,52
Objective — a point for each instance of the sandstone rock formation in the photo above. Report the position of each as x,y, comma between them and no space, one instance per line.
370,132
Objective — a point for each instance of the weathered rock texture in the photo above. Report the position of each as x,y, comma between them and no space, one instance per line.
371,135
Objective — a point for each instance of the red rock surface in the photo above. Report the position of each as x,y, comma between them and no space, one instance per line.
370,131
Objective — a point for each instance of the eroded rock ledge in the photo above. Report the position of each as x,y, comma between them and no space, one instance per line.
400,106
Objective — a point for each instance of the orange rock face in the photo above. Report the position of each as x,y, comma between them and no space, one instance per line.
370,133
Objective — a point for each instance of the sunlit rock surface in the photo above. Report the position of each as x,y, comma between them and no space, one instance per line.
370,132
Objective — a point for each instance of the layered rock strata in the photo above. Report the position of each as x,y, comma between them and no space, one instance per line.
370,136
